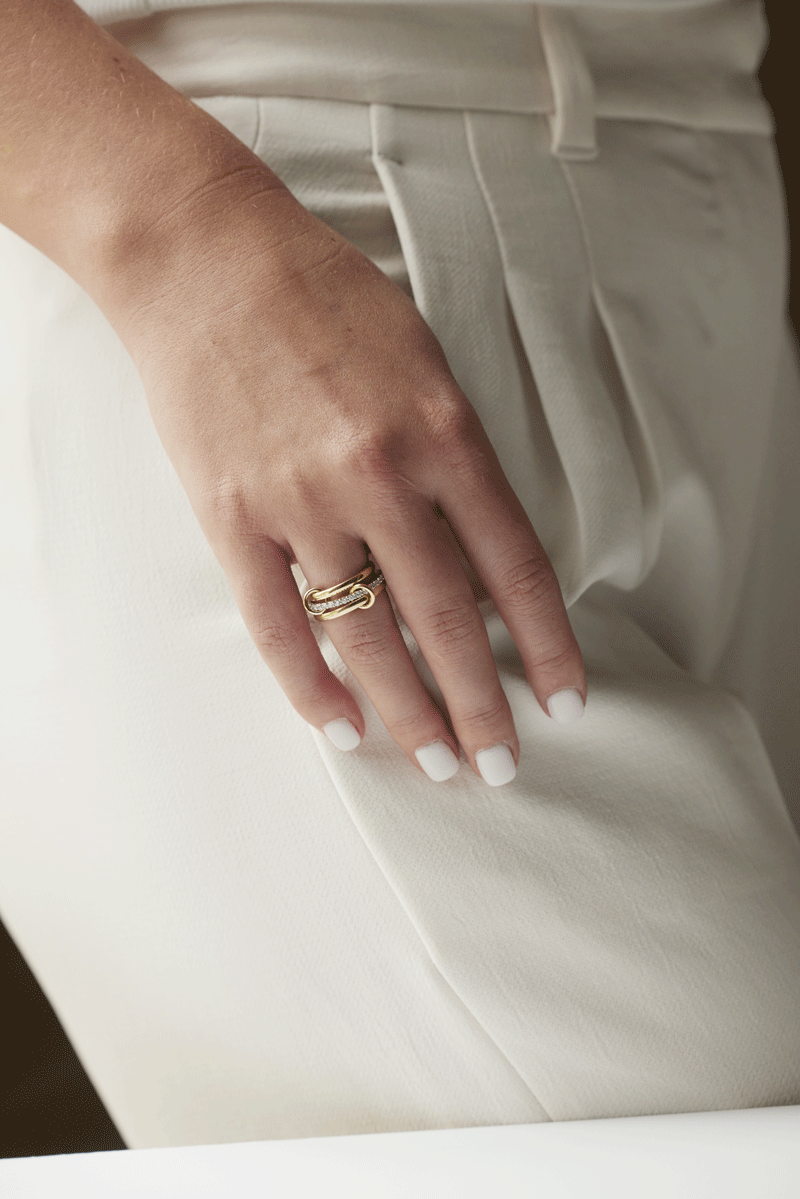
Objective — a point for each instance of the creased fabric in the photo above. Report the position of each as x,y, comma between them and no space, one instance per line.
248,934
693,65
111,10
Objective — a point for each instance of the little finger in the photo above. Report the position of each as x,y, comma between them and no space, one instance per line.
267,597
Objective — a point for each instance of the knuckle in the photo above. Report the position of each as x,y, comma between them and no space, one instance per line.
452,625
370,470
372,454
490,714
462,447
308,691
452,424
237,509
412,723
367,645
275,639
529,583
293,483
226,502
554,658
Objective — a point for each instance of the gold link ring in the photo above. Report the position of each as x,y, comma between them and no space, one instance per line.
358,591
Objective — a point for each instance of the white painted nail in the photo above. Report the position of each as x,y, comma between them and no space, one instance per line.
342,733
496,765
565,706
437,760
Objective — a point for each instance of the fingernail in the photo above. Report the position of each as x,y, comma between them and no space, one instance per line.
565,706
496,765
342,733
437,760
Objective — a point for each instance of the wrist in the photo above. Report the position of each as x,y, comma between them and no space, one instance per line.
106,169
134,258
175,267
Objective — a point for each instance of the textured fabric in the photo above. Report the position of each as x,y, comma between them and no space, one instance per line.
249,934
691,66
115,10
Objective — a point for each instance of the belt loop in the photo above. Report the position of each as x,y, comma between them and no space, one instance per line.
573,122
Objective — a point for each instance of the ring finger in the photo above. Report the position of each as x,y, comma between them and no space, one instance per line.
369,641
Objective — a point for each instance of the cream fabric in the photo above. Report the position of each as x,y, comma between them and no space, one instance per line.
106,11
248,934
691,66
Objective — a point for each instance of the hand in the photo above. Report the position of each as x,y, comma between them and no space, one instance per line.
310,413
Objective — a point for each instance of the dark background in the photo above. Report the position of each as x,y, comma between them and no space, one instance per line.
47,1104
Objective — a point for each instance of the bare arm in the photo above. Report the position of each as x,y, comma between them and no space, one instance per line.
99,157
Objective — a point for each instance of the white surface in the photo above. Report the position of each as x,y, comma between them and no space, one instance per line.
706,1155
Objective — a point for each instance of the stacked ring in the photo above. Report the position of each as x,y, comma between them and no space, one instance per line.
358,591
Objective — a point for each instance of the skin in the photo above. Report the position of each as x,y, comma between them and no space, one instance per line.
306,406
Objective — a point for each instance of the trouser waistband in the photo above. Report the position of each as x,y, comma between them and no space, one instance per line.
687,66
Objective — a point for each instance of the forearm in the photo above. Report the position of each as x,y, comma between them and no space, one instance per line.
100,159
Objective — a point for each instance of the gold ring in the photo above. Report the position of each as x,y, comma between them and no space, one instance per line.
358,591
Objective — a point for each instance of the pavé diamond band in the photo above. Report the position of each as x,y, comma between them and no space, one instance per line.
359,591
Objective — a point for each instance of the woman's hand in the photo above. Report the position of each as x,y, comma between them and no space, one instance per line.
310,413
307,407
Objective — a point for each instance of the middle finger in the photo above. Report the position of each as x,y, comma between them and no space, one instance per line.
434,595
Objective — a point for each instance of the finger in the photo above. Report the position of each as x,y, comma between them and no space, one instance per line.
369,641
272,609
500,542
435,597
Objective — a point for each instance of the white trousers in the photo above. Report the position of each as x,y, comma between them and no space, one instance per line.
248,934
